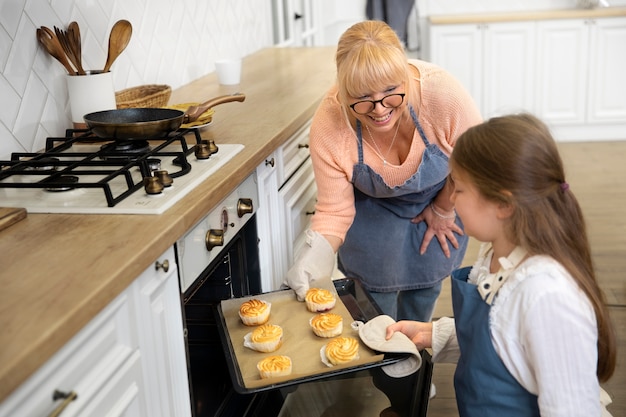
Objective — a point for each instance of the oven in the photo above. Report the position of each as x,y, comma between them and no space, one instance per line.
218,260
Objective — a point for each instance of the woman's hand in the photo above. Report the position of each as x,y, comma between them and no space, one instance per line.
420,333
442,228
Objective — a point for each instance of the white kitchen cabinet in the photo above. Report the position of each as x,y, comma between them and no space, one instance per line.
161,338
568,72
296,23
122,363
582,63
287,198
494,61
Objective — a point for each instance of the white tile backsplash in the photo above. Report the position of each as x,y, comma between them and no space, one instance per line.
173,42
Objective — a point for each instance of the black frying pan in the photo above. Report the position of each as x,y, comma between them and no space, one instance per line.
146,123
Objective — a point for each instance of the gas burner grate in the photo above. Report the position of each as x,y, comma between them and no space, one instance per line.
117,172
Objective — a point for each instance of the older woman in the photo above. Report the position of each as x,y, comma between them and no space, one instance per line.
380,142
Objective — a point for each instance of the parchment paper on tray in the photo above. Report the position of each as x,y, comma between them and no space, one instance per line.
299,341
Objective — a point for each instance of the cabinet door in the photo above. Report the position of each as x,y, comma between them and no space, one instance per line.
270,226
509,65
100,364
607,70
563,50
458,49
161,338
298,197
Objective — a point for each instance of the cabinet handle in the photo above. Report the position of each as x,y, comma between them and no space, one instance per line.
165,265
305,146
270,162
67,399
309,213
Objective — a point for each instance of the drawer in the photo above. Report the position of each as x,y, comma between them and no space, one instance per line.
293,153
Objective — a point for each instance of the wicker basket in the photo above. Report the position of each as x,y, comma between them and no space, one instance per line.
151,95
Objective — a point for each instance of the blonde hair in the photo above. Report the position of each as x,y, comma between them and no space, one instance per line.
370,58
514,160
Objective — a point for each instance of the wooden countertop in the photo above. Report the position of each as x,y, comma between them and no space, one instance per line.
531,15
59,270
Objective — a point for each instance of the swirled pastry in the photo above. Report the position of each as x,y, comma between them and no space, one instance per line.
342,350
265,338
254,312
318,300
327,324
273,366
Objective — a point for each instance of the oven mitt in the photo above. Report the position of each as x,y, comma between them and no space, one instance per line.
316,260
373,333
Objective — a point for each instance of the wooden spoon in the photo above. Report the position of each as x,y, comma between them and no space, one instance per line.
118,40
73,32
52,45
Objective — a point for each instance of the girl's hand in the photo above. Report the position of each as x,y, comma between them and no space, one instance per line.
443,229
420,333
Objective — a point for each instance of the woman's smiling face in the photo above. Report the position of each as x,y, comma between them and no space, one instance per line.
380,118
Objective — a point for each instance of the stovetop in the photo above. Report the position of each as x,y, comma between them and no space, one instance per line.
80,173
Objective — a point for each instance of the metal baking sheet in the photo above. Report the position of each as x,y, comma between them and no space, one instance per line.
299,342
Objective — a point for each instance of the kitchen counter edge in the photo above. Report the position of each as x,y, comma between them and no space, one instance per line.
526,16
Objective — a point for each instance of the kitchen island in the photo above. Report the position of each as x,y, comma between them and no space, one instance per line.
60,270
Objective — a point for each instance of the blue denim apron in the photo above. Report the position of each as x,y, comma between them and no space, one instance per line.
382,246
483,385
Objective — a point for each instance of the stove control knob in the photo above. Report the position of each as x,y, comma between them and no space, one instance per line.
152,185
214,237
202,150
164,177
244,206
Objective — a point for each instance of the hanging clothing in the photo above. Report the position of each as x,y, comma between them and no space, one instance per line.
394,12
381,247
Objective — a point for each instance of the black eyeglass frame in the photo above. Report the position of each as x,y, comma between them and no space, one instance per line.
381,101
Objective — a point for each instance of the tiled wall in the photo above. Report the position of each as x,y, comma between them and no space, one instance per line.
173,42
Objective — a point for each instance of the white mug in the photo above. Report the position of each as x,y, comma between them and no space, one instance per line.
228,71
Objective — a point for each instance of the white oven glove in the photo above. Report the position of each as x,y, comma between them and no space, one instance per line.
373,335
316,260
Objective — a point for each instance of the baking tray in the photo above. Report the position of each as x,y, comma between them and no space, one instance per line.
353,299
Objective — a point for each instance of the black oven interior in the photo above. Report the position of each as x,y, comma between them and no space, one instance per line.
234,273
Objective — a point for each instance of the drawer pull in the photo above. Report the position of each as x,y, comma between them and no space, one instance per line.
305,146
165,265
309,213
67,398
270,162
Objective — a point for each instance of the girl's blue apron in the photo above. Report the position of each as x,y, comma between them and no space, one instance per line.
483,385
382,246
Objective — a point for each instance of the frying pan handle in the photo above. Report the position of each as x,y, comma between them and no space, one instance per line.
194,112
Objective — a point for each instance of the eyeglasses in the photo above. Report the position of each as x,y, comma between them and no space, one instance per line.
390,102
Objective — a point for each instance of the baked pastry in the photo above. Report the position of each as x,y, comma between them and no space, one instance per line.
318,300
265,338
341,350
327,324
274,366
254,312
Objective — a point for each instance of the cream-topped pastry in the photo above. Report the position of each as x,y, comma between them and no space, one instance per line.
254,312
327,324
341,350
274,366
265,338
318,300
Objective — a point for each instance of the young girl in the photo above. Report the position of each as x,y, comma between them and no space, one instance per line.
531,332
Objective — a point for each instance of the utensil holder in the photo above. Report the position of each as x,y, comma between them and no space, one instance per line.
90,93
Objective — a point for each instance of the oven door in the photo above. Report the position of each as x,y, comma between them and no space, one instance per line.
233,273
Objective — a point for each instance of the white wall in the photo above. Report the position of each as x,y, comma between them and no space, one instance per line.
173,42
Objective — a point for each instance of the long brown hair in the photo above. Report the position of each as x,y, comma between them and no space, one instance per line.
370,57
514,160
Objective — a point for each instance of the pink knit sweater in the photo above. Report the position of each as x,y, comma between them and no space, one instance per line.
446,111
